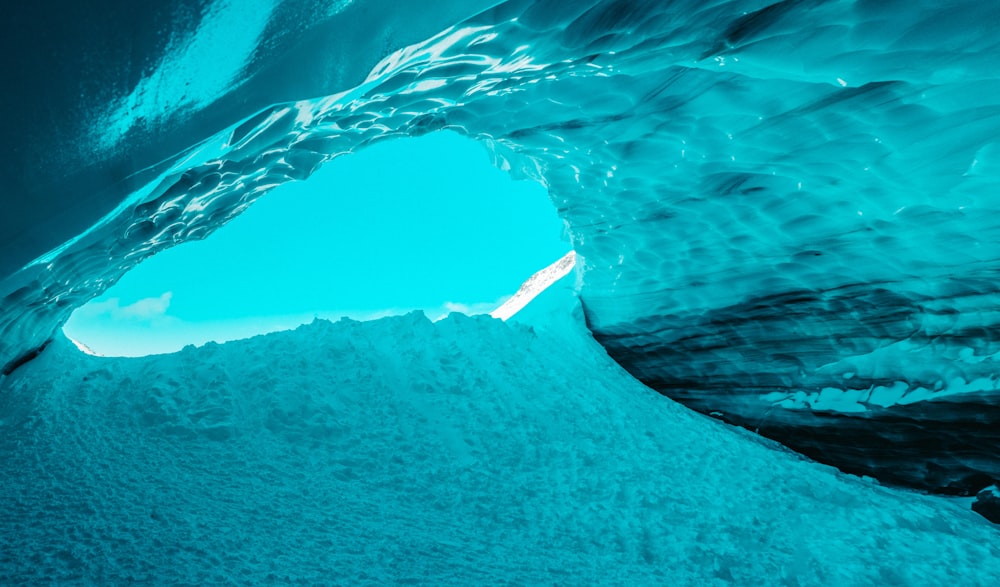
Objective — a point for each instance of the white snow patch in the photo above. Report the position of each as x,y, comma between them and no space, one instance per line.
535,285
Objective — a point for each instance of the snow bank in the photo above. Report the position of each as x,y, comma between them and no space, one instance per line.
467,451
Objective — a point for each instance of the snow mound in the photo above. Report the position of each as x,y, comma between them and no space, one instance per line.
401,451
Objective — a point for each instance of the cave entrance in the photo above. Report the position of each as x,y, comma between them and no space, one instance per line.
409,224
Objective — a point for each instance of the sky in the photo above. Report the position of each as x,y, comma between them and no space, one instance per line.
417,223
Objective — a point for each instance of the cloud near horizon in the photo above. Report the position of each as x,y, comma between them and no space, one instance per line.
468,309
144,310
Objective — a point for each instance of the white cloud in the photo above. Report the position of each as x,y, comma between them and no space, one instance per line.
146,309
472,309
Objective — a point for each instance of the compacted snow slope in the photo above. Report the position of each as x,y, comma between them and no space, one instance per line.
401,451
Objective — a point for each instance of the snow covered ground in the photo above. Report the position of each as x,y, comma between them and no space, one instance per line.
401,451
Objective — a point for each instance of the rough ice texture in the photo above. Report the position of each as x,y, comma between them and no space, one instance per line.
786,212
467,451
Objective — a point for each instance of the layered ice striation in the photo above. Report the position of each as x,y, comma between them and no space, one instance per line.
784,212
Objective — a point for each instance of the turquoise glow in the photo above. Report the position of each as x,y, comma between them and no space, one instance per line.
424,223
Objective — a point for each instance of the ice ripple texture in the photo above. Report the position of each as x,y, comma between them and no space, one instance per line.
786,212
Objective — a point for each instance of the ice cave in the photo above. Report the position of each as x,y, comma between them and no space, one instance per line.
768,359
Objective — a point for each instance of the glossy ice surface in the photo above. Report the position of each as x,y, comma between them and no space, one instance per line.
784,213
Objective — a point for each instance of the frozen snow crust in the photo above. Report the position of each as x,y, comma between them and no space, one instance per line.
785,212
402,451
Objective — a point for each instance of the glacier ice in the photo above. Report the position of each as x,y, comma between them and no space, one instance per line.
784,211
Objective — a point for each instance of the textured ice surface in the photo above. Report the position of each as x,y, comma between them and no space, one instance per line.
785,212
467,451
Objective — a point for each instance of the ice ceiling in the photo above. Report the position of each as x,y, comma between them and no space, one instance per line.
786,212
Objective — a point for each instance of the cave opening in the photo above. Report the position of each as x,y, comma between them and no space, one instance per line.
425,223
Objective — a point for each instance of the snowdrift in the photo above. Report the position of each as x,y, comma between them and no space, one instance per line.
401,451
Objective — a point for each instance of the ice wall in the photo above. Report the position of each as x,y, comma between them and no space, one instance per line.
785,211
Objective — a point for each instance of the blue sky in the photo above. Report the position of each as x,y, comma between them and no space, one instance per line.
419,223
